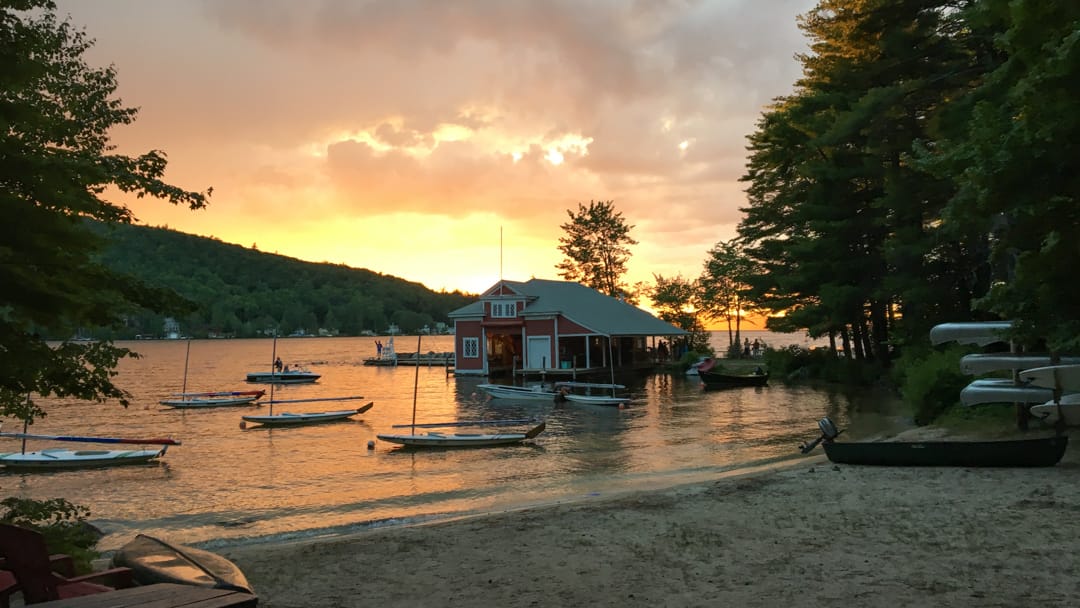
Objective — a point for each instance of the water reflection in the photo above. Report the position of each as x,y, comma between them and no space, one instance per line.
228,483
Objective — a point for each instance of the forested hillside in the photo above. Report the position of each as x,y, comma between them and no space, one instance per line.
241,292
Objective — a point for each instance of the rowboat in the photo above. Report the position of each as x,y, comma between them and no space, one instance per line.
1035,452
713,379
153,560
292,376
61,458
213,399
295,419
459,440
535,392
980,333
1003,390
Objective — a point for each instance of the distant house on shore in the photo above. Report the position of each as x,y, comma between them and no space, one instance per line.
554,328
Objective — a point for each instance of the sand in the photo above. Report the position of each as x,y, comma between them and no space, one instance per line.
811,534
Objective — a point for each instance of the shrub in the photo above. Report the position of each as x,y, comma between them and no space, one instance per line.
930,382
63,525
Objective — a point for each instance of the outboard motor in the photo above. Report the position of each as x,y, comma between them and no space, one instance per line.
828,433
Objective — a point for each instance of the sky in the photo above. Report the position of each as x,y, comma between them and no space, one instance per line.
444,142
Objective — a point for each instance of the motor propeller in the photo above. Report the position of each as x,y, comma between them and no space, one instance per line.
828,433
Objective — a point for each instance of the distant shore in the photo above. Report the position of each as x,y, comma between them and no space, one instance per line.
808,534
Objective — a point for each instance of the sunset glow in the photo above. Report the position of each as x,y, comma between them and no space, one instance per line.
404,137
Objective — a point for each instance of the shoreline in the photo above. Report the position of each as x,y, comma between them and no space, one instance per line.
810,532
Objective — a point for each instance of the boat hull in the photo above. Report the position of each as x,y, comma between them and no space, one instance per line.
717,380
196,402
596,399
992,390
1065,377
984,363
77,459
529,393
283,377
291,419
155,561
460,440
1041,452
979,333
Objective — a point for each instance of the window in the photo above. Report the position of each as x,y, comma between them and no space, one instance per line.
470,347
504,310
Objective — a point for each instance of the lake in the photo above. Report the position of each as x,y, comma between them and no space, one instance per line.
228,485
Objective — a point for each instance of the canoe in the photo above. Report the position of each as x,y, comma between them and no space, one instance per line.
1003,390
294,419
60,458
1039,452
984,363
981,333
713,379
1049,411
153,560
460,440
534,392
1063,377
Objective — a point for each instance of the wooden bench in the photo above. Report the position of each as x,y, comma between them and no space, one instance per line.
161,595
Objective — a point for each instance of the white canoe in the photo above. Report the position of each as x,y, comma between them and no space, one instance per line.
506,391
596,399
1064,377
984,363
980,333
293,419
60,458
1070,407
1002,391
153,560
460,440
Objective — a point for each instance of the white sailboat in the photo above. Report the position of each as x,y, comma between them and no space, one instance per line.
593,399
187,400
60,458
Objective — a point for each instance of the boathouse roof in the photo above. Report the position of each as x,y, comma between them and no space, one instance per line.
583,305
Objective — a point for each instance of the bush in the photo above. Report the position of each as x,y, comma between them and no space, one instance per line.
797,363
63,525
930,382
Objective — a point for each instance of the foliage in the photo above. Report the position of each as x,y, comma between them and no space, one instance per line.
724,288
794,363
241,292
62,523
676,301
930,382
56,164
596,245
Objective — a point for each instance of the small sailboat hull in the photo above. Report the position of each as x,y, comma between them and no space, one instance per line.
77,459
460,440
596,399
296,419
153,560
525,393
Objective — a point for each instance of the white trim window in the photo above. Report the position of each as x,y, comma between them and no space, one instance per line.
470,348
503,310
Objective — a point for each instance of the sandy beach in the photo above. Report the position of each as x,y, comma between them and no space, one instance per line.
808,534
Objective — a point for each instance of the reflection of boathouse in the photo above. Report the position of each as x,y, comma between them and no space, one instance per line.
553,328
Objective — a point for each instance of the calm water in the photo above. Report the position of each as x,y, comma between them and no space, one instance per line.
227,485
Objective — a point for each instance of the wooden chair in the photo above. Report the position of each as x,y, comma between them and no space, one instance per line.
27,559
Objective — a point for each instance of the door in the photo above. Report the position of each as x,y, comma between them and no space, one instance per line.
539,352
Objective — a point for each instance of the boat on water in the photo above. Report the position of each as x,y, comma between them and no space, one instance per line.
591,393
533,392
1033,452
711,378
62,458
300,418
153,560
212,399
439,439
288,376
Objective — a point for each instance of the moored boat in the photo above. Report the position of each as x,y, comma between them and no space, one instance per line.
713,379
212,399
62,458
534,392
1027,452
293,376
436,439
153,560
296,419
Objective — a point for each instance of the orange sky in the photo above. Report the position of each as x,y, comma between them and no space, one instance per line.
402,136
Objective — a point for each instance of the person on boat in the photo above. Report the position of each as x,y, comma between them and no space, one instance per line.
759,371
286,369
378,348
277,364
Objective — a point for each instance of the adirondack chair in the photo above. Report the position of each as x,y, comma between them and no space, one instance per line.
27,559
59,562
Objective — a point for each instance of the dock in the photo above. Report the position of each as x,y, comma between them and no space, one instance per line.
431,359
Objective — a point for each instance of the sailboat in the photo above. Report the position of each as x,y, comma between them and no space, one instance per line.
184,399
437,439
592,399
59,458
301,418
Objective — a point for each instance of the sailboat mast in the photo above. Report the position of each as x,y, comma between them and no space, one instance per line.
25,424
416,383
187,357
273,360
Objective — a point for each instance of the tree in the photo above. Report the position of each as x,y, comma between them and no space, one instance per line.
56,167
596,246
677,301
